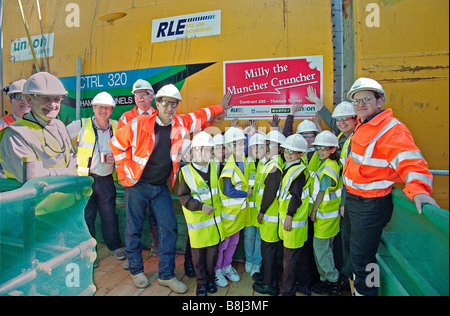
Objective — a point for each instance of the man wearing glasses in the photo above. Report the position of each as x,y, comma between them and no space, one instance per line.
147,153
19,104
38,139
382,152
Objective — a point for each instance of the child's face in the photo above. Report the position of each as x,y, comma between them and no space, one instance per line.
346,124
187,155
310,137
291,155
324,151
202,154
257,151
271,149
219,152
237,148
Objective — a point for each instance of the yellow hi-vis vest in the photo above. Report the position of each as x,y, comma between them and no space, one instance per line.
296,237
86,143
328,216
269,225
254,174
204,230
234,210
344,150
33,133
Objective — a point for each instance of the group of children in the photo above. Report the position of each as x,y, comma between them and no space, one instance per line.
266,185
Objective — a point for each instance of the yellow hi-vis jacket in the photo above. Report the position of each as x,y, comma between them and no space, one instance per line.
255,175
86,143
234,210
296,237
204,230
328,216
269,225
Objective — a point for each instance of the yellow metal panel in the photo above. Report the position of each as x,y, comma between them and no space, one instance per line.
408,54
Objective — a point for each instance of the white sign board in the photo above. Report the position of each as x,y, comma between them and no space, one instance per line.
20,48
186,26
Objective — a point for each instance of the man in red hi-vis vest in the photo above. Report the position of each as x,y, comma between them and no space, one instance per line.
147,153
382,152
19,104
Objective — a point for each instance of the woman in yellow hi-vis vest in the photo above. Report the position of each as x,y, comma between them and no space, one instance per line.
293,208
199,196
96,160
325,213
234,193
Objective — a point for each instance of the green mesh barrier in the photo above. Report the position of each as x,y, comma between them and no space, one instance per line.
45,245
413,255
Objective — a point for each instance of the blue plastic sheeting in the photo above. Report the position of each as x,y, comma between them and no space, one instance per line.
414,253
45,245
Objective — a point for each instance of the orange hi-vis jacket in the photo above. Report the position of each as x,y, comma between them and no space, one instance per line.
8,119
129,115
383,152
132,145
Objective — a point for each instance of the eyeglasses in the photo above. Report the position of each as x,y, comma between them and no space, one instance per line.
322,148
289,151
363,100
344,119
16,96
310,135
166,103
47,99
238,143
141,94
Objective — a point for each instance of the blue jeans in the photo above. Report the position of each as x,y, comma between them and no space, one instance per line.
156,198
252,245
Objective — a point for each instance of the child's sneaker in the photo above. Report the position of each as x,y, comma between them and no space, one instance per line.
231,274
255,269
248,267
220,279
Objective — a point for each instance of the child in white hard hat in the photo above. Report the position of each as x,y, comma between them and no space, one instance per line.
198,195
234,193
267,204
252,239
293,208
325,212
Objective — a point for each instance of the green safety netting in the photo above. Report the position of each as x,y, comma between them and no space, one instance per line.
45,245
413,255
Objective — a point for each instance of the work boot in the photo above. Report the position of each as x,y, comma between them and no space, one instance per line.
174,285
140,280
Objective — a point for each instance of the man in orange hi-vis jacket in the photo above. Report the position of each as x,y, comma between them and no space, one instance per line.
382,152
147,153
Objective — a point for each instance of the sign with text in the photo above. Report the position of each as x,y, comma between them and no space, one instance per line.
186,26
264,87
20,47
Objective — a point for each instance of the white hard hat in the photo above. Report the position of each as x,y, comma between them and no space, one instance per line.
202,139
142,85
275,137
306,126
326,138
296,142
344,109
366,84
16,86
218,140
169,91
103,98
257,139
234,134
43,83
186,145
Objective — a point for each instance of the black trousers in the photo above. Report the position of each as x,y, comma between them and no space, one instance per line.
103,200
269,263
204,261
365,219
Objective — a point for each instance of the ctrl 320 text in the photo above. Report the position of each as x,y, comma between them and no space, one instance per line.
231,305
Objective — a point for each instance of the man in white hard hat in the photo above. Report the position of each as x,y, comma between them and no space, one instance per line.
39,139
147,154
19,104
143,95
382,152
95,159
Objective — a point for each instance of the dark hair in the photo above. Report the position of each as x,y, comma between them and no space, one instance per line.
335,156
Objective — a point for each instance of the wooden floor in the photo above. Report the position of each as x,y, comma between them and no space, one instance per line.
111,280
